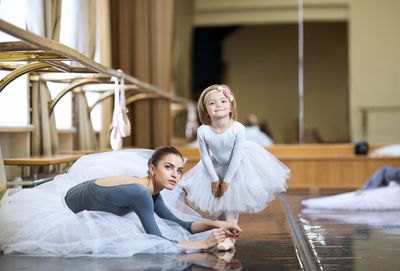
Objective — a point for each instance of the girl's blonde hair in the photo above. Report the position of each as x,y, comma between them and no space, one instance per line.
201,106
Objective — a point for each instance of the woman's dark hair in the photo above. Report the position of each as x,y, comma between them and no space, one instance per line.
160,152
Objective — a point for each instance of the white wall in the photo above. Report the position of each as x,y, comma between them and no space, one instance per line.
375,67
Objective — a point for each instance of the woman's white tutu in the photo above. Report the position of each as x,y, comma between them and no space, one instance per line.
259,178
36,221
381,198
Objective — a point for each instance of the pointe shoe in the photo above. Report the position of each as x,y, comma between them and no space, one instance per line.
227,244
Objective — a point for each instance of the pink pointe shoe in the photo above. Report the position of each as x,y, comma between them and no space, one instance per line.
227,244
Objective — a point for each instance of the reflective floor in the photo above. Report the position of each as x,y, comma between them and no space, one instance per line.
353,240
333,240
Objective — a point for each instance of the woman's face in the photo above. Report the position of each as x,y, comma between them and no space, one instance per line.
168,171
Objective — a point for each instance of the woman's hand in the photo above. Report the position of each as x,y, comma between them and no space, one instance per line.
215,189
231,229
224,186
217,236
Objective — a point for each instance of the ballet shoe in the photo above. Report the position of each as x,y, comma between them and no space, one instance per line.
227,244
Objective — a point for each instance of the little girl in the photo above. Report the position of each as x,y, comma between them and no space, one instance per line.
234,175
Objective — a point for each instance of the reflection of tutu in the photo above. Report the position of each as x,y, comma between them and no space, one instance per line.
37,221
258,179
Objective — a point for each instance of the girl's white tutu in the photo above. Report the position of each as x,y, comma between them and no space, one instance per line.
259,178
36,221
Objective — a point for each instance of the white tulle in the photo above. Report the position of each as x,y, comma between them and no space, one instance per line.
383,218
381,198
387,151
259,178
36,221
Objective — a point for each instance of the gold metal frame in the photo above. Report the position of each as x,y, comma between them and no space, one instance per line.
46,55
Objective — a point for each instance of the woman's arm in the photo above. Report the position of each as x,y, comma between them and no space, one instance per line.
162,211
230,228
193,227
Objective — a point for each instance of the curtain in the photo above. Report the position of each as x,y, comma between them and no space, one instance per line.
104,57
44,137
181,61
142,46
43,19
182,47
83,27
85,138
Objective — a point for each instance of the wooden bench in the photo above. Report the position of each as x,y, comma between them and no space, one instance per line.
36,162
319,166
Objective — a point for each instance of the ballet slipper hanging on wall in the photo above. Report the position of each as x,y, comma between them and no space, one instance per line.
191,124
120,126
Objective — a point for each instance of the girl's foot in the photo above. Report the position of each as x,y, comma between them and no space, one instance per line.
227,244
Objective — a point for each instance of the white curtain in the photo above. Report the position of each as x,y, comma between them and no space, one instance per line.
82,37
85,138
83,25
43,19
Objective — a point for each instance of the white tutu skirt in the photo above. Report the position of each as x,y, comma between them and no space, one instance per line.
383,218
36,221
381,198
259,178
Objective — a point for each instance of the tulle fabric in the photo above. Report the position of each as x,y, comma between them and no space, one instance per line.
381,198
259,178
36,221
383,218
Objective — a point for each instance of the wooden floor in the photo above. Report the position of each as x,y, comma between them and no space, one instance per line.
332,240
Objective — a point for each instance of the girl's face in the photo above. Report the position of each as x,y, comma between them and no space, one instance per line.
217,105
168,171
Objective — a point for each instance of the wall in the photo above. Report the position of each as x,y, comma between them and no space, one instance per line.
372,68
375,67
265,78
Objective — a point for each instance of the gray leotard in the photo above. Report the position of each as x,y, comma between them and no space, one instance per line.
121,200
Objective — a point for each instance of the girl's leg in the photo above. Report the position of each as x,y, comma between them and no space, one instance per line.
232,216
228,243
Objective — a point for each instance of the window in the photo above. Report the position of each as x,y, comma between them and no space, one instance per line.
14,98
